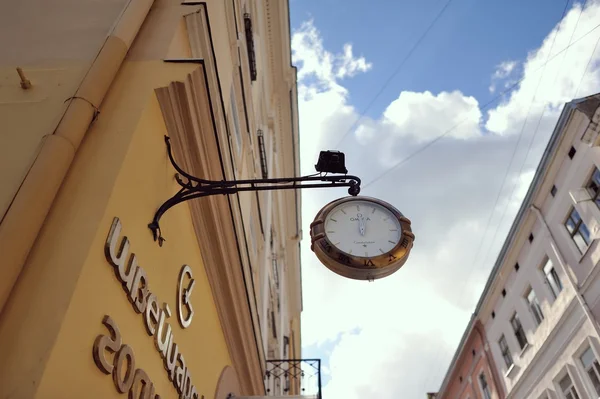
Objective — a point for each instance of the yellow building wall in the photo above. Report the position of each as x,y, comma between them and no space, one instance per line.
143,183
55,48
55,310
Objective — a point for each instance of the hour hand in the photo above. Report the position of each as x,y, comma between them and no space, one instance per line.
361,226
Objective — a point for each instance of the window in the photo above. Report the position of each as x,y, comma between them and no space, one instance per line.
236,121
572,152
485,389
534,307
552,278
505,351
567,388
518,330
578,230
592,368
275,269
593,186
273,325
250,45
553,191
286,344
252,234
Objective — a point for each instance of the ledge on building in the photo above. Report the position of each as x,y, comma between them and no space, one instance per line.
512,371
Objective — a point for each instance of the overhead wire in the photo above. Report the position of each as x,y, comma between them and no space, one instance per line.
396,71
535,132
492,211
586,67
483,108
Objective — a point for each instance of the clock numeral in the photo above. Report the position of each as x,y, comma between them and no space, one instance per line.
344,259
369,263
357,208
327,247
391,258
404,242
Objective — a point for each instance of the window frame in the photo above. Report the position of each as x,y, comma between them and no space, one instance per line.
237,136
594,178
572,389
547,261
519,329
594,367
577,225
505,352
486,393
535,308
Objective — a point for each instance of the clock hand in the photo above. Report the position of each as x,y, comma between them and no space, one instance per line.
361,225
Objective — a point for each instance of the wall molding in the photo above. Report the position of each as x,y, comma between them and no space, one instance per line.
191,123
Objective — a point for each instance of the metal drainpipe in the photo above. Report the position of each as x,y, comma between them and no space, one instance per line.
561,260
32,202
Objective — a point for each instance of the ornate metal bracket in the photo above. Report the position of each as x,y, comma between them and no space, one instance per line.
193,187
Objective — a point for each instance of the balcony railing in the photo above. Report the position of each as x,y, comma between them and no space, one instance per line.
294,378
250,46
263,154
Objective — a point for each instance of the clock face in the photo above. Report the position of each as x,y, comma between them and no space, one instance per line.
362,228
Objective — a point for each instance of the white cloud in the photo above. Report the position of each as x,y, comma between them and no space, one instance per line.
503,71
313,61
557,82
424,116
350,66
398,334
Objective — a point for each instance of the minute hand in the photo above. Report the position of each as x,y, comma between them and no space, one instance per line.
361,226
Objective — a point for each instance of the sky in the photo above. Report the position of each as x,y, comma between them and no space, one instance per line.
450,132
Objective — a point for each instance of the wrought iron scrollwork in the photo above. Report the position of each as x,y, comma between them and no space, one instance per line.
293,377
193,187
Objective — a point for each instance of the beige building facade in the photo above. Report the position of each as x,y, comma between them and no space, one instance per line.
540,308
90,304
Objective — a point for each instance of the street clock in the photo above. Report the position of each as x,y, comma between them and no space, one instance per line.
361,238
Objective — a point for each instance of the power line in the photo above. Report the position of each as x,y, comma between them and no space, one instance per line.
587,66
480,246
393,75
483,108
536,129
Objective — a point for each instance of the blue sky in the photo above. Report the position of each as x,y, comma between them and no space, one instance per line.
395,337
461,51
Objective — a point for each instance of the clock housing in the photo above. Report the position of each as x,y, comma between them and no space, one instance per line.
361,266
